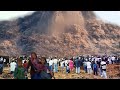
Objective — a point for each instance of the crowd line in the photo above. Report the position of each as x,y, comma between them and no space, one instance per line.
45,67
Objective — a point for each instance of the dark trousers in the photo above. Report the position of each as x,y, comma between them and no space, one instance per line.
85,68
95,71
36,76
1,69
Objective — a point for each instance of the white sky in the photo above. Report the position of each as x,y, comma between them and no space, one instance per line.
110,16
6,15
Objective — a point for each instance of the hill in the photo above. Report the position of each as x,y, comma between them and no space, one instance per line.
59,33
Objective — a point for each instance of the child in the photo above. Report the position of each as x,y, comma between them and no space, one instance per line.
20,71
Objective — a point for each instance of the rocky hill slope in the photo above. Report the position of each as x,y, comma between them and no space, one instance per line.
59,33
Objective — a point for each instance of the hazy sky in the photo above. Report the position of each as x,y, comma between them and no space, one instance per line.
110,16
6,15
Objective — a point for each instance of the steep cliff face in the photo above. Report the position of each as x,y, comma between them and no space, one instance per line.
61,33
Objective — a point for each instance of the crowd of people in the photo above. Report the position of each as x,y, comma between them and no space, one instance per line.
44,68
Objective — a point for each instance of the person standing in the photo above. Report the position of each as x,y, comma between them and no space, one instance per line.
45,72
109,60
33,63
4,61
67,69
59,62
71,65
20,72
51,65
95,68
1,65
77,65
103,67
62,66
85,66
99,66
13,65
55,61
66,64
113,59
48,59
89,68
25,65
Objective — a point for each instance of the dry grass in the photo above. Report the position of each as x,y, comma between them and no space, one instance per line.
112,72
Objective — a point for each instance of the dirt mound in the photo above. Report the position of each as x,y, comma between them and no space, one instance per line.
113,71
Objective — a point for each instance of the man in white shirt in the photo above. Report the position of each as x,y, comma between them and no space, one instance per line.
48,59
109,60
103,66
51,65
23,61
1,59
62,66
55,61
89,68
12,67
113,59
4,60
66,64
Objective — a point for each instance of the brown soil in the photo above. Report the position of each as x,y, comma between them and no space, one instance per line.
113,72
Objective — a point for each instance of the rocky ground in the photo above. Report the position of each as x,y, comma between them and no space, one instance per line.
82,75
113,72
